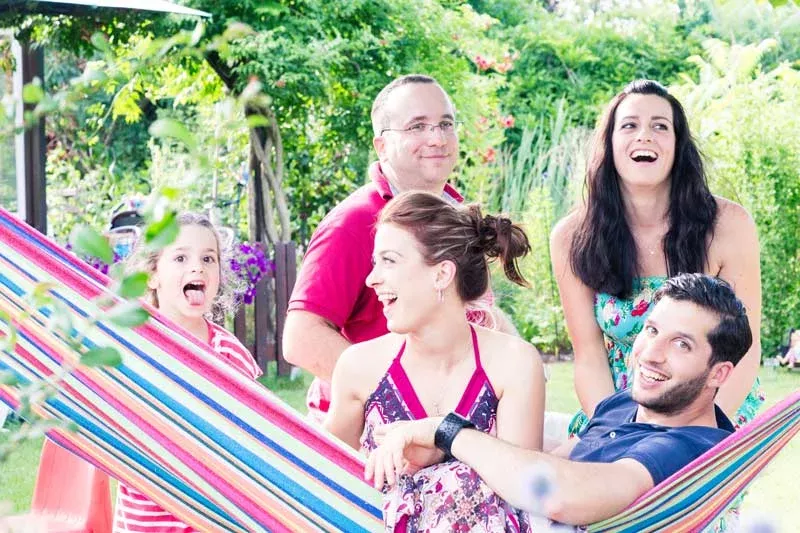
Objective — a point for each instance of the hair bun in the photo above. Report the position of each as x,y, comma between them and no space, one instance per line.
492,231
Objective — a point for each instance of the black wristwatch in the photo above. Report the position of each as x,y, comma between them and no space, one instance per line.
447,431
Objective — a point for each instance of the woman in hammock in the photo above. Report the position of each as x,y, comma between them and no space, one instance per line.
430,261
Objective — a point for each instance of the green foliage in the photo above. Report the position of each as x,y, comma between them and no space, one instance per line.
746,122
322,63
587,63
511,67
88,242
133,286
103,356
747,21
126,77
537,183
128,315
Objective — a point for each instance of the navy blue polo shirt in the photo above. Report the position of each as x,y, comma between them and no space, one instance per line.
613,435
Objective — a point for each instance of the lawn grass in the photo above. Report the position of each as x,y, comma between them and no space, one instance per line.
773,494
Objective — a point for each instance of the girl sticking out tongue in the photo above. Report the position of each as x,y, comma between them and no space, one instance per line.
186,281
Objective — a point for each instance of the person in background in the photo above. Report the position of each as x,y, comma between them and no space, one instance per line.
790,354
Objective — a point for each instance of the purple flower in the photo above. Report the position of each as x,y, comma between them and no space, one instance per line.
250,263
95,262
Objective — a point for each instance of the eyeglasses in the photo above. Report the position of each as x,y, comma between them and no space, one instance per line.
418,129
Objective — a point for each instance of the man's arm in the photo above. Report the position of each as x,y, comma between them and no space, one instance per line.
581,492
312,343
326,291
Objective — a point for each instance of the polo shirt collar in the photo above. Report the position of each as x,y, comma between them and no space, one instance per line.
723,422
387,191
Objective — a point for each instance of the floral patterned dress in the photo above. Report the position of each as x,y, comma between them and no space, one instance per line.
447,496
621,321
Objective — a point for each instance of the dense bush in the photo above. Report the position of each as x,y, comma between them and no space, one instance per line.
747,122
587,62
528,77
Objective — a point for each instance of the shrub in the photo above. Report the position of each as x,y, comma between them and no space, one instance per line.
747,122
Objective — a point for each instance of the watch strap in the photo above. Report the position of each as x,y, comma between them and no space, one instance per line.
447,431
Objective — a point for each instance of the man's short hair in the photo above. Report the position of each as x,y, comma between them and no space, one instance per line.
379,119
732,337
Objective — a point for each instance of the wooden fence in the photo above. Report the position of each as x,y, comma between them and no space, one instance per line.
261,330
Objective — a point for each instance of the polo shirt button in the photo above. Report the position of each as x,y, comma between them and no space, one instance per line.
613,434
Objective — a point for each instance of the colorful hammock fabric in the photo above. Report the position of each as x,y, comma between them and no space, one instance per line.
699,493
217,450
222,453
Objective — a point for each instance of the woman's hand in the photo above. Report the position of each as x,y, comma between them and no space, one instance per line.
404,448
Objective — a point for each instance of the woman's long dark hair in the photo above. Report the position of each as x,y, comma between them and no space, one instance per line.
603,252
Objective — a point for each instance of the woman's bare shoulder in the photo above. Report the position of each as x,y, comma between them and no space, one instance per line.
565,228
371,357
735,236
504,352
731,216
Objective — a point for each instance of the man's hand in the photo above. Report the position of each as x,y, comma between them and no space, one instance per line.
404,448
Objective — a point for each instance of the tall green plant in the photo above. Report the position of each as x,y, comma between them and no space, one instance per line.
537,183
545,158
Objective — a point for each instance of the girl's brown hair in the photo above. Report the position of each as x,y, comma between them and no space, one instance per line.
461,234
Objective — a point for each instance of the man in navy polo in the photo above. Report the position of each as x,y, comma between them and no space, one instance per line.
696,334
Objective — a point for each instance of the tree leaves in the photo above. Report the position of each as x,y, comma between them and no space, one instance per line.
128,315
7,378
32,93
101,356
133,286
88,242
162,232
168,128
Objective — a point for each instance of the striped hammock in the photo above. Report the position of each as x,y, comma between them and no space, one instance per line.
218,451
222,453
699,493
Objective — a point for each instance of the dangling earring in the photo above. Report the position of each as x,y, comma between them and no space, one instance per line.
441,296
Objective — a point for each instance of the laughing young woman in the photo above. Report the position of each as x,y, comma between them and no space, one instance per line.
430,260
648,215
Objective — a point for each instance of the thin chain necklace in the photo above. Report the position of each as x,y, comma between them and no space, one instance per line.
437,404
651,250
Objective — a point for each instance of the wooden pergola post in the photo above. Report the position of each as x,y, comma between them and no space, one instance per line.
31,145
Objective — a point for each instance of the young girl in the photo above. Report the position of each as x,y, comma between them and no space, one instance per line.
186,279
430,262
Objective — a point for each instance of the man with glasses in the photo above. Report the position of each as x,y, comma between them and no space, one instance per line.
331,307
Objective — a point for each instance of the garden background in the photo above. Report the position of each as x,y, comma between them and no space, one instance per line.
528,79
